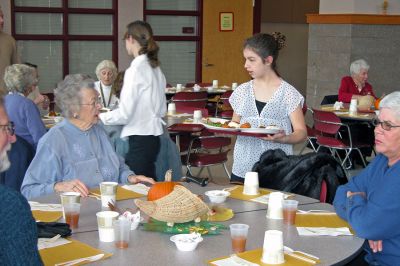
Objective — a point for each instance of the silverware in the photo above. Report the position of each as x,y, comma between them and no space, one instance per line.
289,251
74,262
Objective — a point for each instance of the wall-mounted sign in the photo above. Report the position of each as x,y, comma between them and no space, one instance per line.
226,21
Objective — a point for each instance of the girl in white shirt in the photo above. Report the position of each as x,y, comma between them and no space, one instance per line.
106,72
265,100
142,103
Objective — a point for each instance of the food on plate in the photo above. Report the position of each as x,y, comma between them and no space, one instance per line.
222,124
232,124
273,127
245,125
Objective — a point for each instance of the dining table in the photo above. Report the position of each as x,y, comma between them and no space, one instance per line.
344,114
155,248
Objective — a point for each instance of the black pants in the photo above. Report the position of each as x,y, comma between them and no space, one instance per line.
235,178
142,154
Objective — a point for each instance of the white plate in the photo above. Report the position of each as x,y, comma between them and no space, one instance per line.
216,120
267,130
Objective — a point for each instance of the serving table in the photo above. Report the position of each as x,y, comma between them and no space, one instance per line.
154,248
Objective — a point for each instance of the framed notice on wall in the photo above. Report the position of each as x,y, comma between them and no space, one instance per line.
226,21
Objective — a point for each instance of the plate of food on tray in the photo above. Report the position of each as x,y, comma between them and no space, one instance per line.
270,129
220,124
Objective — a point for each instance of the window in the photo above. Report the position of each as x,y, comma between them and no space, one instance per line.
176,26
65,39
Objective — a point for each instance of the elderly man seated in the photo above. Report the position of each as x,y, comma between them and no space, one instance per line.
370,201
76,154
18,242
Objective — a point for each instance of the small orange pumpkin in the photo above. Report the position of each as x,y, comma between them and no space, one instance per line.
377,102
161,189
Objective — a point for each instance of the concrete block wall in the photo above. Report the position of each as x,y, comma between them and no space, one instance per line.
332,48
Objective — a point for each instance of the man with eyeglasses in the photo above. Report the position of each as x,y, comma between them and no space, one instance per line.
18,231
370,201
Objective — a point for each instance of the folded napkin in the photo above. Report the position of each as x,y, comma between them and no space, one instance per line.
265,198
324,231
233,261
138,188
51,242
36,206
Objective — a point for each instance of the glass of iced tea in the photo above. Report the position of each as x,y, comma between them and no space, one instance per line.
289,211
71,212
122,230
239,237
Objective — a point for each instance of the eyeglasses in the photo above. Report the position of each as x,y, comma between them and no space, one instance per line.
384,124
9,128
93,104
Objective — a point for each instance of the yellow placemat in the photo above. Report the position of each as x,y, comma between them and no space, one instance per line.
122,194
46,216
68,252
320,220
255,257
221,214
237,193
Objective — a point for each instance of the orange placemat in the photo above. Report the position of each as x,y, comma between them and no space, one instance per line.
256,254
68,252
47,217
237,193
320,220
122,194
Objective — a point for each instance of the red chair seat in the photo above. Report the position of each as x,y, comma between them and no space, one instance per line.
206,159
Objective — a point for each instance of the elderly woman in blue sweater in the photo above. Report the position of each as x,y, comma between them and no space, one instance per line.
76,154
370,201
21,80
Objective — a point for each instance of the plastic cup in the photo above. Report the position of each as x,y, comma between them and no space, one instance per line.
289,211
251,185
273,247
239,237
171,108
122,230
105,220
71,213
108,192
197,115
275,205
69,197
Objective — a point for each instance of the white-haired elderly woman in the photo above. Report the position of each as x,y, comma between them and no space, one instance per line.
370,201
20,80
356,86
106,72
76,154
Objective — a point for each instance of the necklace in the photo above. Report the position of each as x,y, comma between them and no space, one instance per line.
102,96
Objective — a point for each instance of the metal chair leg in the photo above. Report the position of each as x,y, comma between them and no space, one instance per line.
226,171
209,172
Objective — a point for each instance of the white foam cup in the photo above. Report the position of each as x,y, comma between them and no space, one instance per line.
215,84
251,185
171,108
108,193
178,87
197,116
105,220
273,247
275,201
234,85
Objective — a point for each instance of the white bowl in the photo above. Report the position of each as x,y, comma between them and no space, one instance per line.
186,242
217,196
